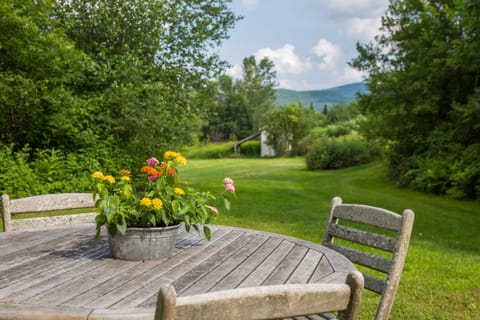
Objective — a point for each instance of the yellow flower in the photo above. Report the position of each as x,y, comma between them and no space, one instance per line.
171,155
97,175
146,202
181,160
125,178
110,179
179,191
157,203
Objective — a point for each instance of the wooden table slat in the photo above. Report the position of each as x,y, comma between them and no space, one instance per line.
265,269
283,271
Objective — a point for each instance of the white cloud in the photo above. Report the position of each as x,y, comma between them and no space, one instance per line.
285,59
235,71
363,29
352,75
358,8
250,4
329,53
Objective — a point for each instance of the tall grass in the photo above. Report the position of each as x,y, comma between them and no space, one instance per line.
441,278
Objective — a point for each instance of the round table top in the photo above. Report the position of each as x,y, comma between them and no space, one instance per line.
66,271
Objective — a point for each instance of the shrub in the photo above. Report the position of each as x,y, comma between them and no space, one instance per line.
17,177
250,149
25,173
330,153
337,130
456,174
210,151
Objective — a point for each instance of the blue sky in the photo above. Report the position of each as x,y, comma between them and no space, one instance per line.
310,41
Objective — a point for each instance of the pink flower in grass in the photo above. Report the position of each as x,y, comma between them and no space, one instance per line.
152,178
228,181
230,187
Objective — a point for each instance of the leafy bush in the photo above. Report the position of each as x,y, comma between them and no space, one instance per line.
340,153
210,151
337,130
17,177
250,149
25,172
456,174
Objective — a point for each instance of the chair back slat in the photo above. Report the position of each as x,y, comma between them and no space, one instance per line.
369,215
52,202
392,234
265,302
365,259
362,237
42,204
374,284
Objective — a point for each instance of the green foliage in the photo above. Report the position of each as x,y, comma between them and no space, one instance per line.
242,104
340,153
250,148
17,178
423,89
137,74
25,173
40,70
287,126
337,130
210,150
457,174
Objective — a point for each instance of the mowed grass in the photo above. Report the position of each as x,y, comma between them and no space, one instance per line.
441,278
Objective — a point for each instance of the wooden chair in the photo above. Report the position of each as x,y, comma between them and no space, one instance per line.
46,203
385,231
268,302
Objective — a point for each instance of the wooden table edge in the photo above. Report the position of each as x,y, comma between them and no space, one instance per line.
11,311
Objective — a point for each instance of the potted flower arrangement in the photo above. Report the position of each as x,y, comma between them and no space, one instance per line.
141,216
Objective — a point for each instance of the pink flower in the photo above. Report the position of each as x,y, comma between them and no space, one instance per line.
152,178
153,161
228,181
230,187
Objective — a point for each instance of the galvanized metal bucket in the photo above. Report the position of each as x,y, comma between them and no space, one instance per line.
140,244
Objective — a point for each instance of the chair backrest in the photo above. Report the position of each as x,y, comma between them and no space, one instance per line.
266,302
385,231
46,203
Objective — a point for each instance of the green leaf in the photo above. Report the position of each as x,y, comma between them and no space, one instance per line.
151,219
226,202
112,229
122,228
206,231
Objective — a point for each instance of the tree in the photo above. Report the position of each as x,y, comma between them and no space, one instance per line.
242,104
155,62
258,87
229,117
417,79
286,126
39,71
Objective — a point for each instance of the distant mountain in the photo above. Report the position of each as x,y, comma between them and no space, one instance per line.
318,98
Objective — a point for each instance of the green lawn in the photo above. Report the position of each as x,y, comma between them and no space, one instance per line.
441,279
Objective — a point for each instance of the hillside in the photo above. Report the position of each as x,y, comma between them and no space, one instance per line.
319,98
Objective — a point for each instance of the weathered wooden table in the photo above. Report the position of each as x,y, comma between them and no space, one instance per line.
65,273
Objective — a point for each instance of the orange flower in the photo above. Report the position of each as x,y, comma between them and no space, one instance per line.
151,171
171,171
125,171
